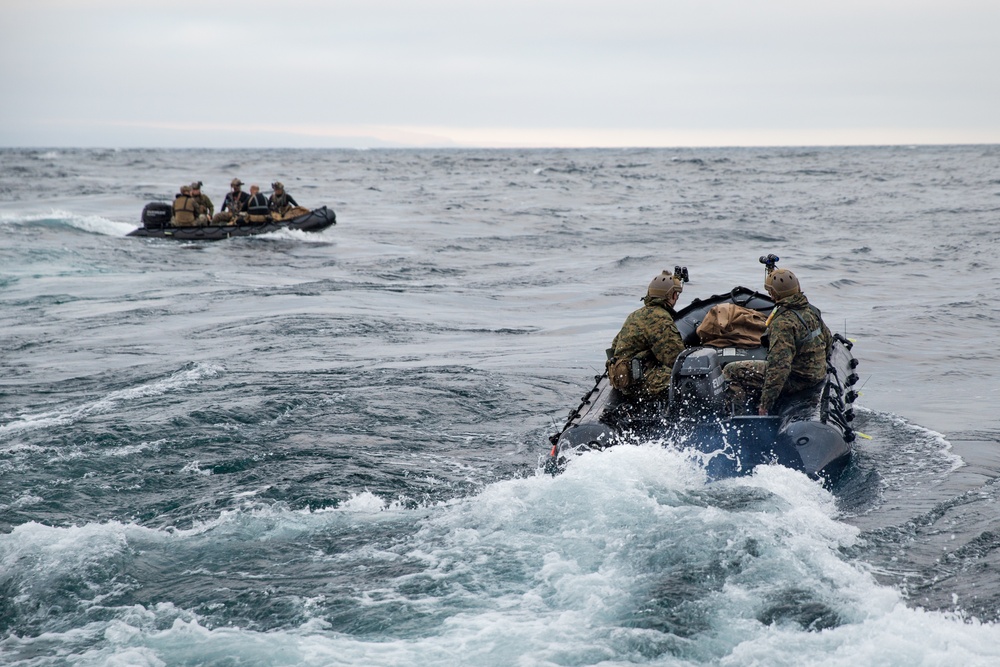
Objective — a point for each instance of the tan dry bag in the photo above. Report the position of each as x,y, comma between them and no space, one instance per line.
729,325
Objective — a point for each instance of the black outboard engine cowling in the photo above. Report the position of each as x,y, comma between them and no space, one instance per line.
157,215
697,388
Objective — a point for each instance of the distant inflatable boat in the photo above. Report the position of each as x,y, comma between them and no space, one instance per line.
157,216
811,433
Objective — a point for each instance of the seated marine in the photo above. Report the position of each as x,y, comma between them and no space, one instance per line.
187,211
203,200
257,209
233,206
280,201
642,355
798,344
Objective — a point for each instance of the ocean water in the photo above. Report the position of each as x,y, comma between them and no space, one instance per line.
325,449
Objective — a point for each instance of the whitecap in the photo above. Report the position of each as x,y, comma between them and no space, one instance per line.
112,401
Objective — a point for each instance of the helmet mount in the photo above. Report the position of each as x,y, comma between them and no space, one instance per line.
769,261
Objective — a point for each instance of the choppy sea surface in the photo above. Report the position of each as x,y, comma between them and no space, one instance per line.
325,449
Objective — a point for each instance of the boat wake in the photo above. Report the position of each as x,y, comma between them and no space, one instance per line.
92,224
628,556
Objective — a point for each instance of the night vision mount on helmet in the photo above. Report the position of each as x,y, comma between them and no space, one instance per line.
779,283
666,284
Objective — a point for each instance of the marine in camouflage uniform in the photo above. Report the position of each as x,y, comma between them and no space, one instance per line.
650,334
202,199
798,344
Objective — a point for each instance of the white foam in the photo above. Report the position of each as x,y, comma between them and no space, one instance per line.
365,502
194,467
945,448
549,570
93,224
296,235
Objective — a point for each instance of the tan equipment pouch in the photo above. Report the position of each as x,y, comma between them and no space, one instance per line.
620,373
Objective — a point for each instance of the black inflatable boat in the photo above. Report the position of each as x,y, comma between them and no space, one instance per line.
157,216
812,434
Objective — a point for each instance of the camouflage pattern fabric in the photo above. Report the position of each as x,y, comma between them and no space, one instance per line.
206,204
650,333
744,381
796,360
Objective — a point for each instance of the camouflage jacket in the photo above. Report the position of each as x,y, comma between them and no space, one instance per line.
797,349
650,333
205,203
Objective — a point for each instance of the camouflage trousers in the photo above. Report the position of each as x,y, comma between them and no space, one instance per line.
744,384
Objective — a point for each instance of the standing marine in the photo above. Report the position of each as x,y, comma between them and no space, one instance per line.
798,344
642,355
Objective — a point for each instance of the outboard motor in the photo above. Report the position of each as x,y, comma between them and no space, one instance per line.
697,388
157,215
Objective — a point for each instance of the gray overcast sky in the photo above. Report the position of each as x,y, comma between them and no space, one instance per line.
123,73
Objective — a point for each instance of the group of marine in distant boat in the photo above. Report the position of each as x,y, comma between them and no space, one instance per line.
192,217
193,208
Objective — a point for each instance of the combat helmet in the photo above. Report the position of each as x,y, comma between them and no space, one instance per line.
667,284
277,186
780,283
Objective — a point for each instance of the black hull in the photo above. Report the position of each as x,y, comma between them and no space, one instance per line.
314,221
810,433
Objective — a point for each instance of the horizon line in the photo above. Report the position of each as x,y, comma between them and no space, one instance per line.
463,147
